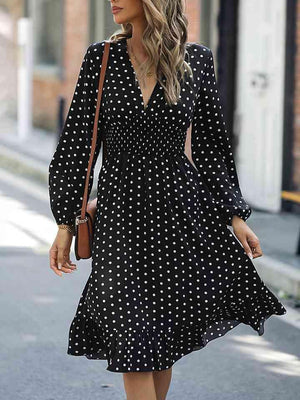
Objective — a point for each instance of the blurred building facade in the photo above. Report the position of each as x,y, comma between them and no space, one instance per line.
255,45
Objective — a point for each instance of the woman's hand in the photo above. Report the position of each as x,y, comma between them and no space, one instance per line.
59,253
247,237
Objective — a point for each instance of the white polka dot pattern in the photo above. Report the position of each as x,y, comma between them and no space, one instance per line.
168,276
68,167
212,152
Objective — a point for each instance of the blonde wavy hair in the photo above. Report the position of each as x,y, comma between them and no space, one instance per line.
164,40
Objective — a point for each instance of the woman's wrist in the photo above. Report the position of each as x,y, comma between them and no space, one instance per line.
236,220
68,228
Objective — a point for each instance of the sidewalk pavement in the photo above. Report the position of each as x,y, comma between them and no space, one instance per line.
279,266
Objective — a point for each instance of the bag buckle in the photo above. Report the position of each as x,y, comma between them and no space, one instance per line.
80,221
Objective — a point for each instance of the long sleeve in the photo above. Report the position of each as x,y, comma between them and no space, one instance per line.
68,167
212,151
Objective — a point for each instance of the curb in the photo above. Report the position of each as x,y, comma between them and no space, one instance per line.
26,167
23,165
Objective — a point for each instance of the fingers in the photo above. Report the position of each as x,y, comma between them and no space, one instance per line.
251,245
64,263
60,261
53,260
247,248
257,251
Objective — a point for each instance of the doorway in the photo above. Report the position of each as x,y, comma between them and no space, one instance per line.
259,116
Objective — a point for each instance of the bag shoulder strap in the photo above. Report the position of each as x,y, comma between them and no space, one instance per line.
95,128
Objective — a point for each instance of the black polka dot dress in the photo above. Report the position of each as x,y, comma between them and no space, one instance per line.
168,275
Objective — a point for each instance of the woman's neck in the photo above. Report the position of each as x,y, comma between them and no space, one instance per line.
136,37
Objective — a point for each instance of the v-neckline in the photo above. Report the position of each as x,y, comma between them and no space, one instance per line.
144,107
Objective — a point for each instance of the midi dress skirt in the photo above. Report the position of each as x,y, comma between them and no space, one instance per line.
168,275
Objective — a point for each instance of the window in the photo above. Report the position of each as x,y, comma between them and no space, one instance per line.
47,20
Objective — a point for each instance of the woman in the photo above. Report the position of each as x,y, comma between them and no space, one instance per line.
168,275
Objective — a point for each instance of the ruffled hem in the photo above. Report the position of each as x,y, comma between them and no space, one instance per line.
152,350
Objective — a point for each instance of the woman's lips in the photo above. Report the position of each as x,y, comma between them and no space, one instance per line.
116,10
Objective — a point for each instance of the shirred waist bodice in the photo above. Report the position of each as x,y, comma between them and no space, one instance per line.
153,145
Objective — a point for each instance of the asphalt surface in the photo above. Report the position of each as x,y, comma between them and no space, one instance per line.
37,306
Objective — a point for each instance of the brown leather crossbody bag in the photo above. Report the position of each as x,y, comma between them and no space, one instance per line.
84,223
